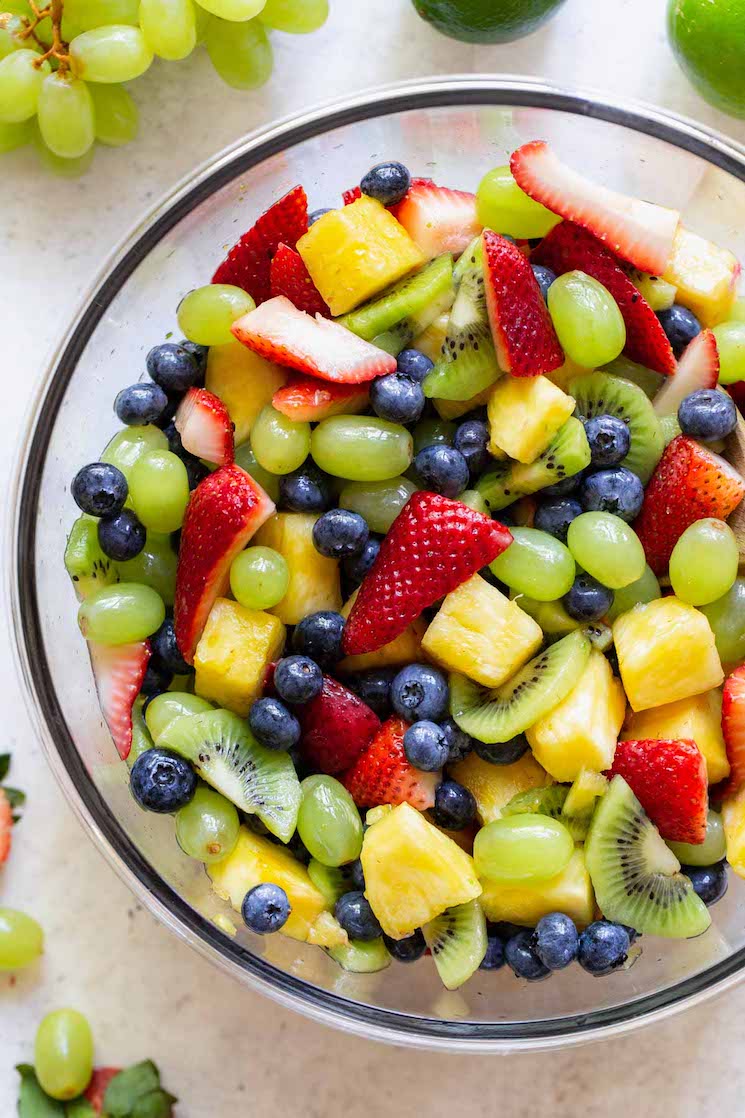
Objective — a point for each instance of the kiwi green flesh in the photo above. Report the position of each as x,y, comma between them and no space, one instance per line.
85,562
360,956
457,940
551,616
604,394
636,877
223,752
409,307
497,716
170,705
600,635
648,380
538,801
566,455
472,255
141,737
332,881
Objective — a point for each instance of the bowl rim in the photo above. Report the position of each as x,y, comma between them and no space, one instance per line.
163,902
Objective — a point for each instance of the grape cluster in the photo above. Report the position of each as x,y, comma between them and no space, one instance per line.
63,66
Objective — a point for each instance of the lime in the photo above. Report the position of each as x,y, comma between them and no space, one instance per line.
486,21
709,42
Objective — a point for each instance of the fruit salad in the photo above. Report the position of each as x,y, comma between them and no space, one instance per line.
410,582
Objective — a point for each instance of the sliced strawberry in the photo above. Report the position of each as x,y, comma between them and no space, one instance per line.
351,195
96,1089
223,513
278,331
433,545
568,248
6,827
336,727
205,427
639,232
289,276
697,368
119,670
522,329
669,780
438,219
733,728
309,400
248,262
383,775
690,483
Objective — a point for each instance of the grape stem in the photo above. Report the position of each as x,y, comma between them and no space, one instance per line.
59,48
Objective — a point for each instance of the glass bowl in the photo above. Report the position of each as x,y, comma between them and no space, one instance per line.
453,130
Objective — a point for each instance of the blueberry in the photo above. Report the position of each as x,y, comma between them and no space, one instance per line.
709,882
199,353
522,957
174,440
680,325
265,908
603,947
545,278
407,950
420,692
502,753
319,636
162,781
587,599
458,742
388,182
707,414
173,367
166,649
455,806
122,536
196,471
564,487
442,469
494,957
356,567
618,491
555,515
315,214
609,439
472,440
306,489
273,725
414,364
556,941
356,875
356,917
157,679
374,688
397,398
140,404
425,747
100,489
297,679
340,534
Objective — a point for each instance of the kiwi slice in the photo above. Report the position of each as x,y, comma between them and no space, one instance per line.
457,940
332,881
141,738
499,716
604,394
538,801
636,877
648,380
408,307
551,616
86,564
566,455
361,956
670,428
170,705
224,752
600,634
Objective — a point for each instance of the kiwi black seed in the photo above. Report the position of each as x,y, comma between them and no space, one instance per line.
85,562
567,454
409,307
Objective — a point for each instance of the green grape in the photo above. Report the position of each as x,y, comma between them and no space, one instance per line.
361,448
235,11
206,314
169,27
259,577
63,1054
730,338
706,853
433,432
328,822
643,590
295,17
607,548
56,164
535,564
170,705
130,444
110,54
66,116
246,459
20,85
280,444
207,827
379,502
587,320
737,314
240,52
502,206
703,565
21,939
9,37
475,501
88,14
159,490
116,115
14,136
121,613
522,848
202,20
727,619
17,7
155,567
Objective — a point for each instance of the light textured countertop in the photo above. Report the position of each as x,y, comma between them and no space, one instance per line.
223,1049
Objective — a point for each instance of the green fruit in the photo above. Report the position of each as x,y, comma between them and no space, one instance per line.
486,21
63,1054
121,614
457,940
524,849
706,853
85,562
141,739
603,394
607,548
567,454
332,881
361,957
21,939
502,206
708,38
727,619
207,827
328,821
155,567
379,502
536,564
408,308
587,319
170,705
361,447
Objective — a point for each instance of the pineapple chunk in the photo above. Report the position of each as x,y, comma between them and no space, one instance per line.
454,409
244,382
326,931
413,872
431,340
705,276
666,651
314,579
481,633
493,786
234,651
254,861
588,786
698,719
570,892
355,252
403,649
733,818
582,731
524,415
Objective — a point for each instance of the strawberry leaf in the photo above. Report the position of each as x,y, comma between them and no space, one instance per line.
4,765
33,1102
131,1087
158,1104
